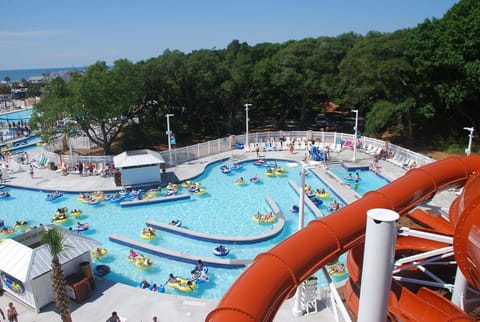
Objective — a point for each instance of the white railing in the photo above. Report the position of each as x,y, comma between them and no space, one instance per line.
201,150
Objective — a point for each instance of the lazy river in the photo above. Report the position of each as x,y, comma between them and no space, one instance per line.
225,210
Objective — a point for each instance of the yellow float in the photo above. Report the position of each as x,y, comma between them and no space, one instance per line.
279,171
270,172
144,263
76,212
239,181
6,231
324,195
20,224
148,233
200,191
183,285
98,253
269,218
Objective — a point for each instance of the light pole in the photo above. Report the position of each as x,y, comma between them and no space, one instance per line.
247,147
470,137
355,139
169,133
297,305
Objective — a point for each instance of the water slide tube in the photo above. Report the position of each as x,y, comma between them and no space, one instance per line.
274,276
404,304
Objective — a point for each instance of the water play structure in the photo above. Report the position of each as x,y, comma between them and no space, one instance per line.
322,241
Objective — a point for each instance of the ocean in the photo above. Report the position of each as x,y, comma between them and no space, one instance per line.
19,74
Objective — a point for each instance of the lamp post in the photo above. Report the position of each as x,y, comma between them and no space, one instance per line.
247,147
355,139
470,137
169,133
297,305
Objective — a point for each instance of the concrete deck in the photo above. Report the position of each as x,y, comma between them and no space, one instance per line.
136,304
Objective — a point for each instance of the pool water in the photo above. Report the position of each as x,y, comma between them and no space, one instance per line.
368,180
226,210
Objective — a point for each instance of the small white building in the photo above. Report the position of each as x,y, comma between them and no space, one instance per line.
26,263
139,167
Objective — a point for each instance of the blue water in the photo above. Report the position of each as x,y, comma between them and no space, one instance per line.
368,180
23,115
225,210
19,74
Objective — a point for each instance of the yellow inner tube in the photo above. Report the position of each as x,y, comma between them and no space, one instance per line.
7,232
20,225
76,213
148,233
99,254
200,191
60,220
183,285
324,195
143,263
263,218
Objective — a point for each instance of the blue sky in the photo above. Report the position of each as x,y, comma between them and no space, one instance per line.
59,33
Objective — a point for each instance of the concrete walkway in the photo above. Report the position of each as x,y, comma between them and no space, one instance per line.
136,304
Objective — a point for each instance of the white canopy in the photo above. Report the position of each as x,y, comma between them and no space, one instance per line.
25,263
137,158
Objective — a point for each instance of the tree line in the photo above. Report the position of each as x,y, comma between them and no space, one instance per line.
416,86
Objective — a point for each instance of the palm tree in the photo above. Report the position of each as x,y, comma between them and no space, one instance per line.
54,239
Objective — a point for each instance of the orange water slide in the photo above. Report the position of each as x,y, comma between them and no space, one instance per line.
405,304
274,276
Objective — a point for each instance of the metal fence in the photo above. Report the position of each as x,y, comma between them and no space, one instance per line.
193,152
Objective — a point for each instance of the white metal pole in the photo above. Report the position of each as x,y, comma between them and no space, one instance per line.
468,151
297,306
379,254
247,147
169,134
355,138
460,289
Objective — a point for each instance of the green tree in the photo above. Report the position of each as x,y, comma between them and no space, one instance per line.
33,90
446,59
51,109
101,103
54,239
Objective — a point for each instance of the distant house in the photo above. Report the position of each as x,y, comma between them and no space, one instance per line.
25,264
37,79
139,167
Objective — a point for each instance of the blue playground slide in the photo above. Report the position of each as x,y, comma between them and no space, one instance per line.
316,154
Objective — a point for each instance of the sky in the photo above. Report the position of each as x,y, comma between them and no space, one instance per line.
59,33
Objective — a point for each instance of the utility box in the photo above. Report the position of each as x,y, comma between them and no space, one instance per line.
78,288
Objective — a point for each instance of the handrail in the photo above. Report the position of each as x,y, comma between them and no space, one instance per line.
221,145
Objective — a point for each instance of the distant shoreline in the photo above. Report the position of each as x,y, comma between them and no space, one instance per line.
19,74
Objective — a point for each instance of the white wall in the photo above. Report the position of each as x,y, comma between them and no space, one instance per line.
39,293
140,175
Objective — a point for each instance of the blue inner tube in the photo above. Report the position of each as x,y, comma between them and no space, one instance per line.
217,252
160,287
52,198
102,270
352,179
317,201
294,208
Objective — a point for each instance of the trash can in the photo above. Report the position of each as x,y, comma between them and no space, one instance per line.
51,165
118,178
86,271
309,135
233,140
